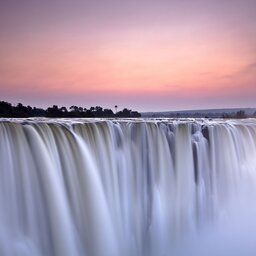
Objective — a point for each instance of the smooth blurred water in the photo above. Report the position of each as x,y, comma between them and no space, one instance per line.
127,187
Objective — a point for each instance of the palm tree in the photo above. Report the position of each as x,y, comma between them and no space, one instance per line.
116,108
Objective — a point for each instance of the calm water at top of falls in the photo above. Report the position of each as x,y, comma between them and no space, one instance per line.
130,187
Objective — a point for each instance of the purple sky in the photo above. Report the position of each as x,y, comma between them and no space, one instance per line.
144,55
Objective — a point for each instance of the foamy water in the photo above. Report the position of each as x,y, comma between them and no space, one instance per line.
127,187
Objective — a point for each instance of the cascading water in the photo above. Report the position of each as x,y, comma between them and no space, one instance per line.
127,187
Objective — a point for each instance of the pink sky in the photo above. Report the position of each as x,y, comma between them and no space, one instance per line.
143,55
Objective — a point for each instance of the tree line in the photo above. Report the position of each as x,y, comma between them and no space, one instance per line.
21,111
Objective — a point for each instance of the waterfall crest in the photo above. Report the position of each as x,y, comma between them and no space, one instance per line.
127,187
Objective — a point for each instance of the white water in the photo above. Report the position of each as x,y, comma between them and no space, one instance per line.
128,187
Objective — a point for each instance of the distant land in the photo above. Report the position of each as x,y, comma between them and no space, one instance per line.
205,113
21,111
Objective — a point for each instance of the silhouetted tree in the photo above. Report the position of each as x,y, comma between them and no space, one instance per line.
22,111
135,114
7,110
108,113
63,109
39,112
74,108
125,113
54,111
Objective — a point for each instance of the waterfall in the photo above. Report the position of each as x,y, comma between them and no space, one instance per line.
127,187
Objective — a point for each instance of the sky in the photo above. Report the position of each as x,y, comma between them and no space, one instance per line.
144,55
